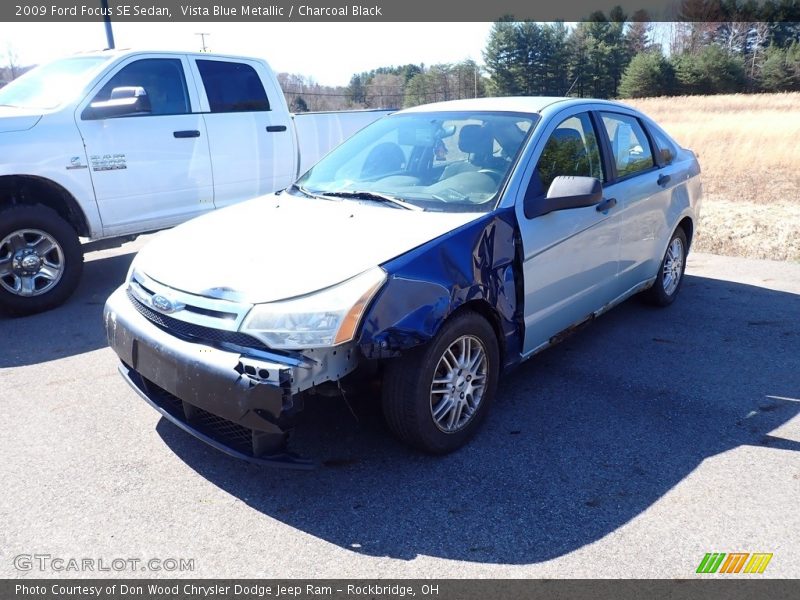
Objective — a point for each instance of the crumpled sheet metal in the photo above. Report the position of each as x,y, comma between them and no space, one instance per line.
475,262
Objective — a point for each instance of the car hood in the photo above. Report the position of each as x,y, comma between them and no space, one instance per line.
277,247
17,119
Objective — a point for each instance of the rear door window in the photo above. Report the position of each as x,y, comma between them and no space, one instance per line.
232,86
629,144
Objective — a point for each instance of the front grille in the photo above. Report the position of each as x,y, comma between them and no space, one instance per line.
193,332
222,430
236,436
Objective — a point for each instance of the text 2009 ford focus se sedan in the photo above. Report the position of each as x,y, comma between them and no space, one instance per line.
433,250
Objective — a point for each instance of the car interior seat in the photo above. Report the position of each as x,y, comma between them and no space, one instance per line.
386,158
477,142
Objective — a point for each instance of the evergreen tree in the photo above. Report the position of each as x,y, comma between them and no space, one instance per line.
648,74
501,59
356,92
781,69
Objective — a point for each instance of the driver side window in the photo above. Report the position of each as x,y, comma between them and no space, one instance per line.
571,150
162,80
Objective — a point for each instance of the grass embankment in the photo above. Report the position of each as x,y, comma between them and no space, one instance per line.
749,151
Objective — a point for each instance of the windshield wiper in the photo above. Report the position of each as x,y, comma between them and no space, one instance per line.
376,196
299,188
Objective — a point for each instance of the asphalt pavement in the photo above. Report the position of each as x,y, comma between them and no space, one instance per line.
644,441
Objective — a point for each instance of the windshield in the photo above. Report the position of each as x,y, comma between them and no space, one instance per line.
446,161
50,85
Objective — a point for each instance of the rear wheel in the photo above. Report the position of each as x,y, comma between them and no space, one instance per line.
435,397
670,273
41,260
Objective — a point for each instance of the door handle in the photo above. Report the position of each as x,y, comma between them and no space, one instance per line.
275,128
663,179
606,204
188,133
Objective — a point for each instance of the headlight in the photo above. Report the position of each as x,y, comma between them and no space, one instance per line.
325,318
131,269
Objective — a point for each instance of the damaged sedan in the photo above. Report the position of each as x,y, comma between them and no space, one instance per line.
433,251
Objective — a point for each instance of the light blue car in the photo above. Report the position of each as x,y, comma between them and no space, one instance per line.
433,250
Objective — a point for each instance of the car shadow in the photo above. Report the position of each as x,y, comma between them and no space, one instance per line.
71,329
582,439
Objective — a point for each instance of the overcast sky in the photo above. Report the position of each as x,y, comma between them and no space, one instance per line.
328,52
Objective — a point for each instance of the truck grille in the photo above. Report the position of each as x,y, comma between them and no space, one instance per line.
193,332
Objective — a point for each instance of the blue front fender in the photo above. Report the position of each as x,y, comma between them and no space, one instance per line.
476,263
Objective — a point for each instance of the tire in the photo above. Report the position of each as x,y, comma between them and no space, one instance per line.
670,272
416,413
41,260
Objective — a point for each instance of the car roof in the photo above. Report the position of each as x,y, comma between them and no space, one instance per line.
518,104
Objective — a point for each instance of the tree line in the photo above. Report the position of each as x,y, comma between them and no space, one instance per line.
606,56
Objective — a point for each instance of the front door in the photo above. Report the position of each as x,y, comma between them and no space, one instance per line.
148,169
569,256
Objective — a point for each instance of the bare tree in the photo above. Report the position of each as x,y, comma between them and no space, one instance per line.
12,60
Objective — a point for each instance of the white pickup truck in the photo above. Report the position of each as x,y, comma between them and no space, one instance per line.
117,143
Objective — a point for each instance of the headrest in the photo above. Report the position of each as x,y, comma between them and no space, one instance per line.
474,139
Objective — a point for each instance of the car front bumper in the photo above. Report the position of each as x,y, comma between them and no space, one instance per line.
234,399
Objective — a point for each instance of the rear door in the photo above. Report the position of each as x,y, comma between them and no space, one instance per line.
569,256
148,170
249,131
644,190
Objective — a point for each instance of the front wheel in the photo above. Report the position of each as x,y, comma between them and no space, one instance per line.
41,260
670,273
435,397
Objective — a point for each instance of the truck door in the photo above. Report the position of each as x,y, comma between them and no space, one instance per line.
151,168
570,257
249,129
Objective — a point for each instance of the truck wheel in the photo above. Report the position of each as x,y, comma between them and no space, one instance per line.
41,260
670,272
435,397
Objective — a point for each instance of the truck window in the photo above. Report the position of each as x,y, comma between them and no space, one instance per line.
232,86
161,78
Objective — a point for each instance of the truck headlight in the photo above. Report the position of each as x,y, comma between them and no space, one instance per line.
324,318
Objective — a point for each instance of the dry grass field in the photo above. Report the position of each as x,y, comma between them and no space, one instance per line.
749,151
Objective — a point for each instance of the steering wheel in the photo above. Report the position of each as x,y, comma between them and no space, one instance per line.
495,174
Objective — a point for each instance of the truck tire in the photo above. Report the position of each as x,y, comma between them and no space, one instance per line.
435,396
41,260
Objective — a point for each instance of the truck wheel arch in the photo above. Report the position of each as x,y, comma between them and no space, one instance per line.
31,190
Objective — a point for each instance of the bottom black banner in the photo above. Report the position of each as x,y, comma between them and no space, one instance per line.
444,589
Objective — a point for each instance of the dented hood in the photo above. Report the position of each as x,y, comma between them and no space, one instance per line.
17,119
277,247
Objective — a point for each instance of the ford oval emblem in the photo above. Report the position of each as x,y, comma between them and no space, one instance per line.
164,305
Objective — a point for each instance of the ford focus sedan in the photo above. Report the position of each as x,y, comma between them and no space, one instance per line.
433,251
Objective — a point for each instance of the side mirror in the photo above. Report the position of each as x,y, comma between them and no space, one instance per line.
564,193
124,101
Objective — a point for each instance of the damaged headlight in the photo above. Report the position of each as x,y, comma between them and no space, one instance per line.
324,318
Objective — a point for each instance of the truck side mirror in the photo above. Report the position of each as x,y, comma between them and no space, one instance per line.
564,193
124,101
